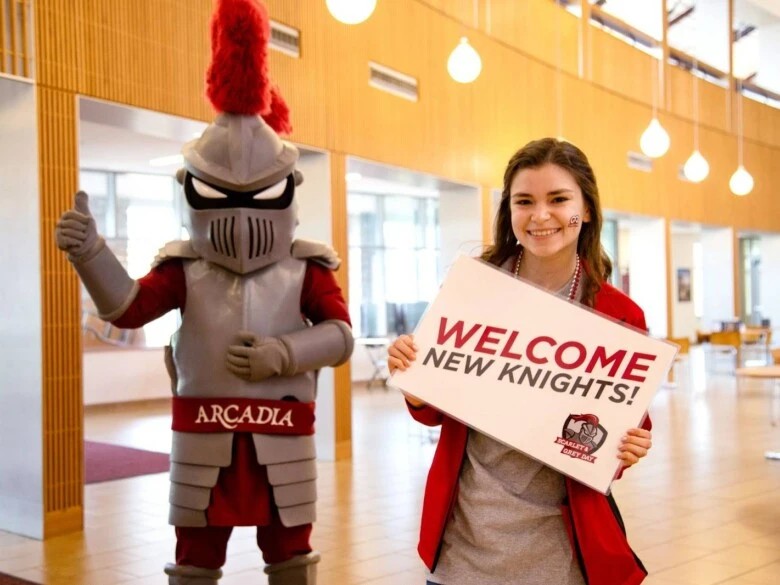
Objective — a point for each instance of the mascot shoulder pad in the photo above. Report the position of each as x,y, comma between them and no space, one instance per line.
177,249
318,252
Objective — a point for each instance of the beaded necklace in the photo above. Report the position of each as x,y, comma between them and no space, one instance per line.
575,283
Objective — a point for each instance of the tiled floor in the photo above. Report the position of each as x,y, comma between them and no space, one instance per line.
703,508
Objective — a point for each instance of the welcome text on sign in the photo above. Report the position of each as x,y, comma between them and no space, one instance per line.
568,355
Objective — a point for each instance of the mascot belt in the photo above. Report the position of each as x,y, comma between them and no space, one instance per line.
219,415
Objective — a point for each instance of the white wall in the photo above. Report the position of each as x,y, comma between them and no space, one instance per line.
21,412
768,287
460,221
684,320
647,270
124,375
718,272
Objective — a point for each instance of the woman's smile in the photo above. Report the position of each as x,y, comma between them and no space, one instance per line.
543,234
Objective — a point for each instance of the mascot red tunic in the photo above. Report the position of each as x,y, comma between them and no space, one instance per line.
261,314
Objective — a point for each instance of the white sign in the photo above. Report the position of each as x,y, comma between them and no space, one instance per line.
550,378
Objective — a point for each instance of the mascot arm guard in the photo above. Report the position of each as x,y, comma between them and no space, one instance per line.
329,343
107,282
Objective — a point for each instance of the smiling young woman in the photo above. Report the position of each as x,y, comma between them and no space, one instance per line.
492,514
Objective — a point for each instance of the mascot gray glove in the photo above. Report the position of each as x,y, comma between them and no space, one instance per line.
76,231
256,358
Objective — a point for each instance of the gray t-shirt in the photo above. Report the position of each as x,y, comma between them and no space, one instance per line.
507,528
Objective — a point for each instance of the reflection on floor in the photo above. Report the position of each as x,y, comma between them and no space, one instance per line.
703,508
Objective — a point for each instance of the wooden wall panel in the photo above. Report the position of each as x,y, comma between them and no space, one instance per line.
343,377
303,81
622,69
460,10
532,28
713,102
147,54
486,203
63,474
374,124
504,123
16,26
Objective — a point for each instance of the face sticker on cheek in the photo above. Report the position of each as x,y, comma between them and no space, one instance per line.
574,221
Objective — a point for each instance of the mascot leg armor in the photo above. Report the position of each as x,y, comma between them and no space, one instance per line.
300,570
183,575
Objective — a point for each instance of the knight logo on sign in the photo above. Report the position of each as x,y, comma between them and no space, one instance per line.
582,436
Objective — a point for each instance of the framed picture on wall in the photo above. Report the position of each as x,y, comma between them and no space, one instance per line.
684,285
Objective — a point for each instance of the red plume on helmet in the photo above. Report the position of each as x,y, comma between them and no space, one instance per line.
237,78
590,418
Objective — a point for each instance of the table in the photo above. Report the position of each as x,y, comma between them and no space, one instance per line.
766,373
376,348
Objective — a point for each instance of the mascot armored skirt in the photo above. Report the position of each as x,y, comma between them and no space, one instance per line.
261,314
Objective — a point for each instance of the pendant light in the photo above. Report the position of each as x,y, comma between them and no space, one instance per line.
465,64
696,168
655,140
741,182
351,11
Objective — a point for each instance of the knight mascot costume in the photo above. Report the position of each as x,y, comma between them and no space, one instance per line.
261,313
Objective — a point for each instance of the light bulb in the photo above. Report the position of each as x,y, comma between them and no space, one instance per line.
741,182
351,11
464,63
696,168
655,140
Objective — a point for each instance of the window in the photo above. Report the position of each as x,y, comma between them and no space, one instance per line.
749,278
394,261
137,214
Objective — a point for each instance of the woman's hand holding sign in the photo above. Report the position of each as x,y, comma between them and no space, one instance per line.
401,354
634,446
403,351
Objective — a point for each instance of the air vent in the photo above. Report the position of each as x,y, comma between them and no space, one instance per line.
640,162
285,39
393,82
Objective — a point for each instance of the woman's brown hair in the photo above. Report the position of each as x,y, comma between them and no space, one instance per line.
570,158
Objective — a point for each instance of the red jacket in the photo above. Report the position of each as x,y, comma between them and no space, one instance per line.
604,554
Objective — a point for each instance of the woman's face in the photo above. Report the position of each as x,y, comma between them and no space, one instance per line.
547,209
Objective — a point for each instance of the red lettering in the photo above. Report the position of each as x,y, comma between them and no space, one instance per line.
506,352
634,365
457,330
600,355
576,363
487,339
530,349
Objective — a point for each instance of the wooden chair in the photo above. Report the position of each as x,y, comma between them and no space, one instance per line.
685,347
728,342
